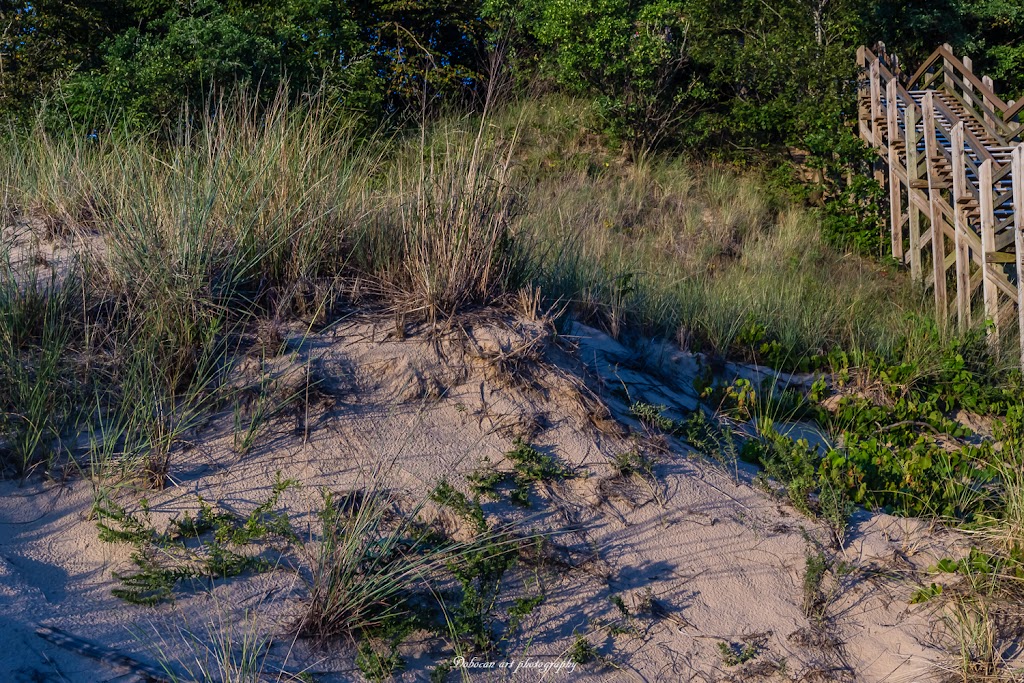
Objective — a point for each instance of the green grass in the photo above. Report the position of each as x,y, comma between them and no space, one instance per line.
272,214
36,330
582,652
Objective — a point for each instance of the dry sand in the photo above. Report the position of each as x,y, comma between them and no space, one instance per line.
723,560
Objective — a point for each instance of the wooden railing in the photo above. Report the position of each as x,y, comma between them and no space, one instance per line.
943,69
950,154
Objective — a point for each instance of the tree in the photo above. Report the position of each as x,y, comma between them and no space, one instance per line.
145,58
997,40
633,56
45,41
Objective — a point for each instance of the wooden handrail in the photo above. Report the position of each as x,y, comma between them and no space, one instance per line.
927,64
1013,111
980,95
976,145
988,115
943,53
885,75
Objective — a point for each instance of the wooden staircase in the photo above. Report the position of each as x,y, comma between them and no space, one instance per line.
951,157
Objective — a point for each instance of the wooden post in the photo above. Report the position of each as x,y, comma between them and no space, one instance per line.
895,202
910,135
935,213
862,93
968,88
988,247
876,104
963,264
1017,173
947,67
990,84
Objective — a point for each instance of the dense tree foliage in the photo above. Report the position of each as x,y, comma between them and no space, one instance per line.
147,57
722,75
991,32
45,41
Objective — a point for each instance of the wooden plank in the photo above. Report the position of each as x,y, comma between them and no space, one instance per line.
1004,240
1014,111
947,64
935,215
963,263
988,103
1001,257
874,81
895,196
914,213
988,245
1017,164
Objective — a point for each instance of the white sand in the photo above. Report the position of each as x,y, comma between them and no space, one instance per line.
724,560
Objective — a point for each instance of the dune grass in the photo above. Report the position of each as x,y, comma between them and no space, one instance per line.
138,267
154,254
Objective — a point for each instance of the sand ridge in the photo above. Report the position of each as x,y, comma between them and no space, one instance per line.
697,554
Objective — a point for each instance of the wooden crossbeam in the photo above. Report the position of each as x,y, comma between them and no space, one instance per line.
1017,163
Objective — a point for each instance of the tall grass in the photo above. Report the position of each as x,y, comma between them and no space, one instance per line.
36,330
185,236
439,228
695,250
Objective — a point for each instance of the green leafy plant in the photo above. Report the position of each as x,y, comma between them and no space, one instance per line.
163,560
654,416
926,593
532,467
633,462
815,570
529,467
734,654
582,652
480,571
470,510
377,666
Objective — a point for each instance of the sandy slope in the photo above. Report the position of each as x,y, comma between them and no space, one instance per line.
723,561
